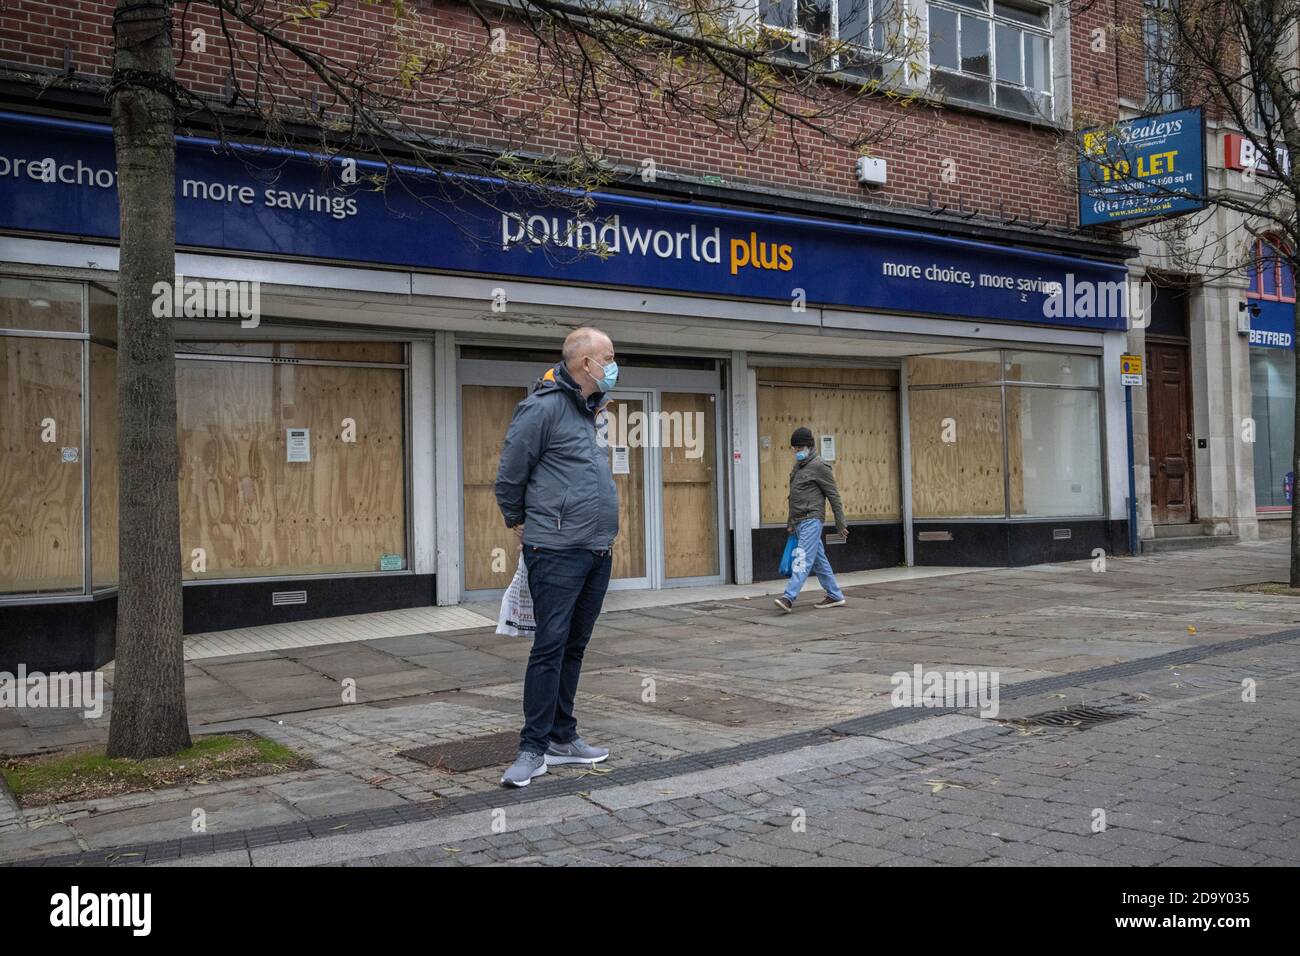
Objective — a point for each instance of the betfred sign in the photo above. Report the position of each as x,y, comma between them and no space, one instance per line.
1240,153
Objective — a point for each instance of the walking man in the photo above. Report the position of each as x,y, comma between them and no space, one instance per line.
556,491
811,485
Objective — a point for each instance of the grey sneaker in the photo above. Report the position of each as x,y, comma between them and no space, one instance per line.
575,751
526,766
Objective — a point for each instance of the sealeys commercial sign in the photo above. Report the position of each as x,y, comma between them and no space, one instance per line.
1149,167
59,177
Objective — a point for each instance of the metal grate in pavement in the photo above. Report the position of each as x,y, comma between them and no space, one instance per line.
1072,718
472,754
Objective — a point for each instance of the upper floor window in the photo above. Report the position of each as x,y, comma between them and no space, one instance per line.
1269,275
993,53
869,29
1161,59
1265,112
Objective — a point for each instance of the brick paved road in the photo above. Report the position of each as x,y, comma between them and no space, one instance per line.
737,673
1199,777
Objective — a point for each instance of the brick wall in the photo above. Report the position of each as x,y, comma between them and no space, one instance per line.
1003,167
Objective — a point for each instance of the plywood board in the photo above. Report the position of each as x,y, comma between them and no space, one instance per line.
962,477
812,375
491,549
39,305
953,369
864,424
689,470
41,516
256,513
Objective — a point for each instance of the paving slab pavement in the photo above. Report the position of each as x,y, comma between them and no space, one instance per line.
724,672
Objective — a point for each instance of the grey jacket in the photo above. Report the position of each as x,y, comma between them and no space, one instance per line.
553,476
811,485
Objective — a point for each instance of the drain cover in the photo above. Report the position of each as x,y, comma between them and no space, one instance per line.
473,754
1072,718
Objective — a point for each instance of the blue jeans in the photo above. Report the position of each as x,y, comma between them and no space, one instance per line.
568,588
814,560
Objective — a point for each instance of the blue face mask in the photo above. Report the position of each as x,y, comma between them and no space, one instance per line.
801,455
610,378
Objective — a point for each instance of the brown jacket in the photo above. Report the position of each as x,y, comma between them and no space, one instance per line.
812,484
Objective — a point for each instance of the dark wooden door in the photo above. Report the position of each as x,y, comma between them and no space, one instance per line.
1169,431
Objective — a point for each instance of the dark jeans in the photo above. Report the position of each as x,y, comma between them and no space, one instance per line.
568,588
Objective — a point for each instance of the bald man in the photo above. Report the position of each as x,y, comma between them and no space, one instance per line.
555,489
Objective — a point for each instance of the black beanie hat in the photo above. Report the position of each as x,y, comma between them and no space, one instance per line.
802,438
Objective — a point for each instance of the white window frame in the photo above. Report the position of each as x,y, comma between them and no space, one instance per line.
1167,97
1263,112
1046,98
797,31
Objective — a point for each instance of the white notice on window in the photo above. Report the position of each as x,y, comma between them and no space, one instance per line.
828,448
622,465
297,443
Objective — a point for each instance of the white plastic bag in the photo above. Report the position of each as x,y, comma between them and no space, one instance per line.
516,617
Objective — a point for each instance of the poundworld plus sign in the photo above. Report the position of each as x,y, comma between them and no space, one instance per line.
59,177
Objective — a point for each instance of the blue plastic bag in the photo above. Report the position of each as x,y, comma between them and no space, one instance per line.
787,559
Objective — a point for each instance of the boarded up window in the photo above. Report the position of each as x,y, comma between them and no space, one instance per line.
491,549
40,465
337,506
858,409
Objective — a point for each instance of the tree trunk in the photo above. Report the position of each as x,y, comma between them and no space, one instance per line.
148,712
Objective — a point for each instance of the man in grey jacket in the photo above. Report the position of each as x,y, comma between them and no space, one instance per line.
812,484
555,489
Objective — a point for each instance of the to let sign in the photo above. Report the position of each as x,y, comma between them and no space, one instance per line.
1144,168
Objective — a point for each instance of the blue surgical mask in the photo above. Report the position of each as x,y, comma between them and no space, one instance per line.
801,455
610,378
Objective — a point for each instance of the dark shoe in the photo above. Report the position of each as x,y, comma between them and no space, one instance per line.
829,601
784,604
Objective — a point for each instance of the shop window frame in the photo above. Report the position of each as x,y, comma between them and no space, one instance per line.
1262,359
1003,383
285,334
760,361
88,589
85,592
